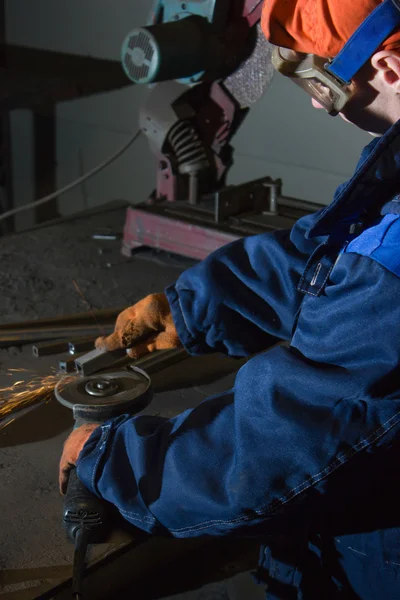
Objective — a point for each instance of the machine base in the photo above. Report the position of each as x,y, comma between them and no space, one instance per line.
197,230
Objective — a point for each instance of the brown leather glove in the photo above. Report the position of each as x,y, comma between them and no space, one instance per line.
72,449
145,327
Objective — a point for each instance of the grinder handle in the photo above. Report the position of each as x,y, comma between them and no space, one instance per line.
83,511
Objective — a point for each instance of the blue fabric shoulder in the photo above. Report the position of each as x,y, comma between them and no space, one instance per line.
381,243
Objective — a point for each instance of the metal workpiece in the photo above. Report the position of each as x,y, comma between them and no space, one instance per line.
81,345
86,364
49,348
73,346
295,203
161,359
68,327
258,196
94,361
67,365
274,188
105,315
17,337
106,236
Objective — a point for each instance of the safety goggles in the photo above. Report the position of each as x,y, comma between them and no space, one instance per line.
309,72
329,81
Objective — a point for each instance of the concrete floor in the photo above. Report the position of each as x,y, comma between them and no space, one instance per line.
36,282
240,587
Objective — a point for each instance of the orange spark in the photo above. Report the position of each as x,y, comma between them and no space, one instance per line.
36,389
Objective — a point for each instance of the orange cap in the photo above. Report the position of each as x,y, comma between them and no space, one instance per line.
320,27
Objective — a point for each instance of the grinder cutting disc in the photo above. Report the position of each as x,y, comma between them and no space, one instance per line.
105,395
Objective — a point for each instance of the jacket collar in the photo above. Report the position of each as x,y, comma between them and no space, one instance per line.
375,183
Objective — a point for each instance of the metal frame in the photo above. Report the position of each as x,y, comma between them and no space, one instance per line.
218,219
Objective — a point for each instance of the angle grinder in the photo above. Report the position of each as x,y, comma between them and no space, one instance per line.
95,399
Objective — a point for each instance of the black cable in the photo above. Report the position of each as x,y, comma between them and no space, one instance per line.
73,184
81,544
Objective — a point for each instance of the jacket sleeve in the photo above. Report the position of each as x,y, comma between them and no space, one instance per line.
240,462
300,423
243,298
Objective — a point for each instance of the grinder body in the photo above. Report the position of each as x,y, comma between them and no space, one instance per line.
96,399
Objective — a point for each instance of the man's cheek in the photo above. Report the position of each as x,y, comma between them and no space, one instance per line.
316,104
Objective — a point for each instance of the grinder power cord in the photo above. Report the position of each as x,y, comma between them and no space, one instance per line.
73,184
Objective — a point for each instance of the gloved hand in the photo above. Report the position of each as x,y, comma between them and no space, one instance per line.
145,327
72,449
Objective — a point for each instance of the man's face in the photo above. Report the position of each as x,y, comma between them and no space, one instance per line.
372,107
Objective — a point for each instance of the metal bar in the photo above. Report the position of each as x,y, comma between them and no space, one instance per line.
153,361
81,345
105,315
156,361
241,199
67,365
17,337
309,207
48,348
193,189
96,360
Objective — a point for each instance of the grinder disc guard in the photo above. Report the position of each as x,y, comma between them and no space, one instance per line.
105,395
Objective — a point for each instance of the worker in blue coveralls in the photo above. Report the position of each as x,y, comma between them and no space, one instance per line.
305,448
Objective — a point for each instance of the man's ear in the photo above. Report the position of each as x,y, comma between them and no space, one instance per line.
387,63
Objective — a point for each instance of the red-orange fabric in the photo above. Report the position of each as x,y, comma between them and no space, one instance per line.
320,27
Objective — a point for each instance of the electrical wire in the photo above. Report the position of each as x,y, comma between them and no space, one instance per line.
73,184
82,538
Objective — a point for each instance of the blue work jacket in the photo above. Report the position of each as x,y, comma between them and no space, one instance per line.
304,448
